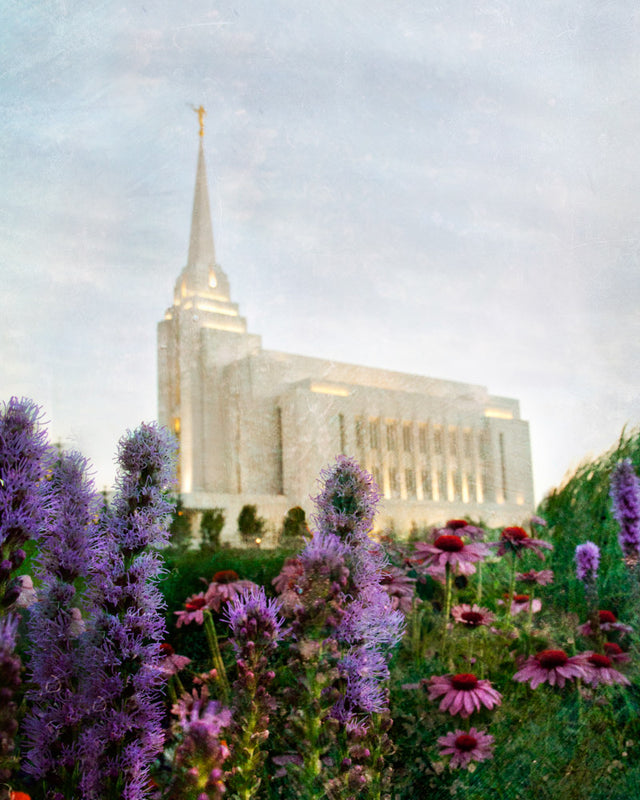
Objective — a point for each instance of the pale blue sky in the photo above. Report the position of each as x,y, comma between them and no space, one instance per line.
448,189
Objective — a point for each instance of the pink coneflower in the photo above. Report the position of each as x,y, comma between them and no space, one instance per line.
170,662
193,610
608,622
463,693
616,653
224,586
554,667
515,540
523,602
472,616
463,528
400,588
542,577
465,747
599,669
448,548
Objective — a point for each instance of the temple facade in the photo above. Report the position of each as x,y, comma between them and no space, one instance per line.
255,426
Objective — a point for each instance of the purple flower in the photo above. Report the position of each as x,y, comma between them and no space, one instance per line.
201,752
554,667
364,670
123,653
465,747
461,527
68,543
463,693
256,626
348,501
608,622
515,540
472,616
599,669
449,548
400,588
9,684
587,558
541,577
625,494
24,458
224,586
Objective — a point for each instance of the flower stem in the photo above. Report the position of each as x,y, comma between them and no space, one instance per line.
216,655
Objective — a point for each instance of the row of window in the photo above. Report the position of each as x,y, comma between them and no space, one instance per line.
426,485
374,434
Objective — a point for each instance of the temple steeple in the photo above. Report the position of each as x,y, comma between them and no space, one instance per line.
202,254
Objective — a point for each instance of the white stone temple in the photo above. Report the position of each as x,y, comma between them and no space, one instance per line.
256,426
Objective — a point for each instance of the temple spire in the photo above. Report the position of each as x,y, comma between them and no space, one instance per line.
202,254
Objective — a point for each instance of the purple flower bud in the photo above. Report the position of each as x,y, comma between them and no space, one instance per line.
587,559
17,557
625,494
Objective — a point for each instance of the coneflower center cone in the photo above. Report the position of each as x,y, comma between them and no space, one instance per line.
465,681
472,618
449,543
548,659
466,742
599,660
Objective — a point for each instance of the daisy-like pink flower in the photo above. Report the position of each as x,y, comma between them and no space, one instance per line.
608,622
472,616
465,747
554,667
170,662
224,586
523,602
599,669
463,528
542,577
400,588
448,548
616,653
515,540
193,610
463,693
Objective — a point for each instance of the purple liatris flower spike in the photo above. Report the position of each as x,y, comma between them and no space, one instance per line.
24,457
587,560
201,751
348,500
625,494
256,628
9,683
67,545
122,658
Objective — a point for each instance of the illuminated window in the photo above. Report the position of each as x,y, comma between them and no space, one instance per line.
453,441
427,488
410,482
373,434
392,436
438,440
407,437
359,432
422,438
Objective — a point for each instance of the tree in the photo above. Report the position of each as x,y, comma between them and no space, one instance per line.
294,526
250,525
211,526
180,528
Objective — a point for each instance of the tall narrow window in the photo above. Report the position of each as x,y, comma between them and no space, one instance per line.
373,434
392,437
503,466
438,443
422,438
427,487
279,453
407,437
343,434
359,433
410,482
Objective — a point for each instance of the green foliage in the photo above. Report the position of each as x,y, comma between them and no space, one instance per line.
211,526
294,526
250,525
180,528
579,511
